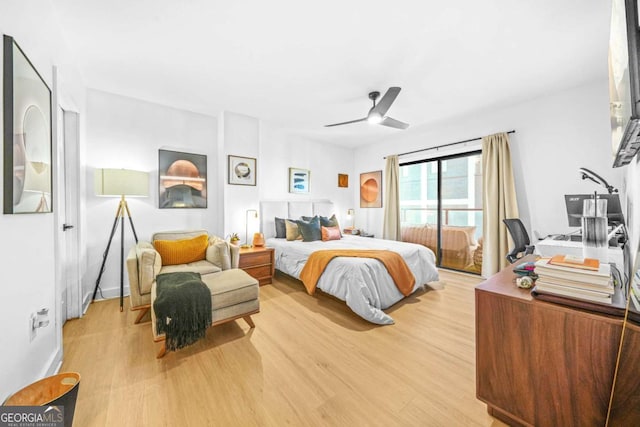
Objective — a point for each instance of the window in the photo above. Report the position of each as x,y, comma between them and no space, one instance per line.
441,208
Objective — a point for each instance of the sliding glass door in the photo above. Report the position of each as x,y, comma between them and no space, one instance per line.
441,208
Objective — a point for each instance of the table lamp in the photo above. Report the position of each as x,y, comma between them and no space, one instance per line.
351,218
250,214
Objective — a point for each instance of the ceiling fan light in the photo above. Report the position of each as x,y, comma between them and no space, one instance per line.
374,118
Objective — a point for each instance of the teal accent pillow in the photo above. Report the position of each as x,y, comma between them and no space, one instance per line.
310,230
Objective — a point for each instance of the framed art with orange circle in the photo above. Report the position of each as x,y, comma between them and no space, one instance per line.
371,189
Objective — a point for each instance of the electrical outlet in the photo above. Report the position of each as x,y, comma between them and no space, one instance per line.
33,318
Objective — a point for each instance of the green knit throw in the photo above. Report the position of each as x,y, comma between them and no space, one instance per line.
182,307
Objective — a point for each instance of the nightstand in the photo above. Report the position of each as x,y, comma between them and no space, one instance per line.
258,262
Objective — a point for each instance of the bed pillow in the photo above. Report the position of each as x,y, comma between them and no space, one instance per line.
310,230
281,228
330,233
182,251
293,232
329,222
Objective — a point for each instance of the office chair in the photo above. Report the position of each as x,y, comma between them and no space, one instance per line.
520,239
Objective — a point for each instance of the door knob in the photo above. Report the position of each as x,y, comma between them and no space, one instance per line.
66,227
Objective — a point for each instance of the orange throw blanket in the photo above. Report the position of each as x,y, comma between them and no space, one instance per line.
393,262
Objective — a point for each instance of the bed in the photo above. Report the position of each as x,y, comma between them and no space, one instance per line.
363,283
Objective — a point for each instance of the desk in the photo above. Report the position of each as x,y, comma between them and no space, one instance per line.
542,364
549,247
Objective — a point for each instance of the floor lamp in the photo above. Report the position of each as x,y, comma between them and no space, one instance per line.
120,183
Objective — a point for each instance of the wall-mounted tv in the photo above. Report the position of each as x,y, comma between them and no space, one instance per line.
624,81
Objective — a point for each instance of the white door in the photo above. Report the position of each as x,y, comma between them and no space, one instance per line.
68,215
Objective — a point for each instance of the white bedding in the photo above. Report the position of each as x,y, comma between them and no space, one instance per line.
363,283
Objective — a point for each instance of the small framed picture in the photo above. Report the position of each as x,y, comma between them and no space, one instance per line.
242,170
343,180
299,180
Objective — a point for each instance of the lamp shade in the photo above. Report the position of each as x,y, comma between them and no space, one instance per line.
37,177
121,182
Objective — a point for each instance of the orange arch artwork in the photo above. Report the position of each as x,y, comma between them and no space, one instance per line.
371,189
182,180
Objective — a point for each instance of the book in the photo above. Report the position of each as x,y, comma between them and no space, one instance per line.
544,289
635,301
635,288
604,288
601,277
575,291
601,282
604,269
575,262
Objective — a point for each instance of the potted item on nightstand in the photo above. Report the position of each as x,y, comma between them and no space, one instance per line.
234,239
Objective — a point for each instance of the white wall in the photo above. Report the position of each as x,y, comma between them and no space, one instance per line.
555,135
276,149
241,137
127,133
281,149
27,251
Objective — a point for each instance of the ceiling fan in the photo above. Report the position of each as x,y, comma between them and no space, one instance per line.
377,113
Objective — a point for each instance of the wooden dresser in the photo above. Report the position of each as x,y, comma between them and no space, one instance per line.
539,363
625,405
258,262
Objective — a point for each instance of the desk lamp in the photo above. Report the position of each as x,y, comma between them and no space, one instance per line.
592,176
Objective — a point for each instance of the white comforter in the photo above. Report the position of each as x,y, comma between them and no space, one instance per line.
363,283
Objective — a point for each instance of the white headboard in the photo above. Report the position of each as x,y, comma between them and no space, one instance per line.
290,209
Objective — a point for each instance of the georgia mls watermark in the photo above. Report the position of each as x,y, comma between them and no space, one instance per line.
31,416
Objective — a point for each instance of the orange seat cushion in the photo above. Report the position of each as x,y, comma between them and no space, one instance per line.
183,251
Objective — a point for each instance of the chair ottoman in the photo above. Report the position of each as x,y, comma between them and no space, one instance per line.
234,294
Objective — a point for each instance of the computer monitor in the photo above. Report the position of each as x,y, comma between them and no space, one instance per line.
574,204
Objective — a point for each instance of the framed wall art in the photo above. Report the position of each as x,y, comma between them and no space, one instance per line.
343,180
299,180
27,134
182,180
371,189
242,170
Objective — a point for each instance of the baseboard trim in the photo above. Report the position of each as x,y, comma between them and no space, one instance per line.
108,293
55,363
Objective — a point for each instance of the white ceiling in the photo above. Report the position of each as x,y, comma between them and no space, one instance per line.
303,64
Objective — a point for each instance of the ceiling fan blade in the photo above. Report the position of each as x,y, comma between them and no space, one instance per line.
383,106
393,123
346,123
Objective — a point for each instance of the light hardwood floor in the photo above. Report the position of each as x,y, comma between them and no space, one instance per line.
309,362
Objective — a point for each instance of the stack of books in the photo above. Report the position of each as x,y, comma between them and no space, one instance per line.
581,278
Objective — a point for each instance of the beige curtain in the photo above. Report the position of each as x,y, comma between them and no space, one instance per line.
391,226
498,201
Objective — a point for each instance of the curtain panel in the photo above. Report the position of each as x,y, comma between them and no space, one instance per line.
391,225
498,200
